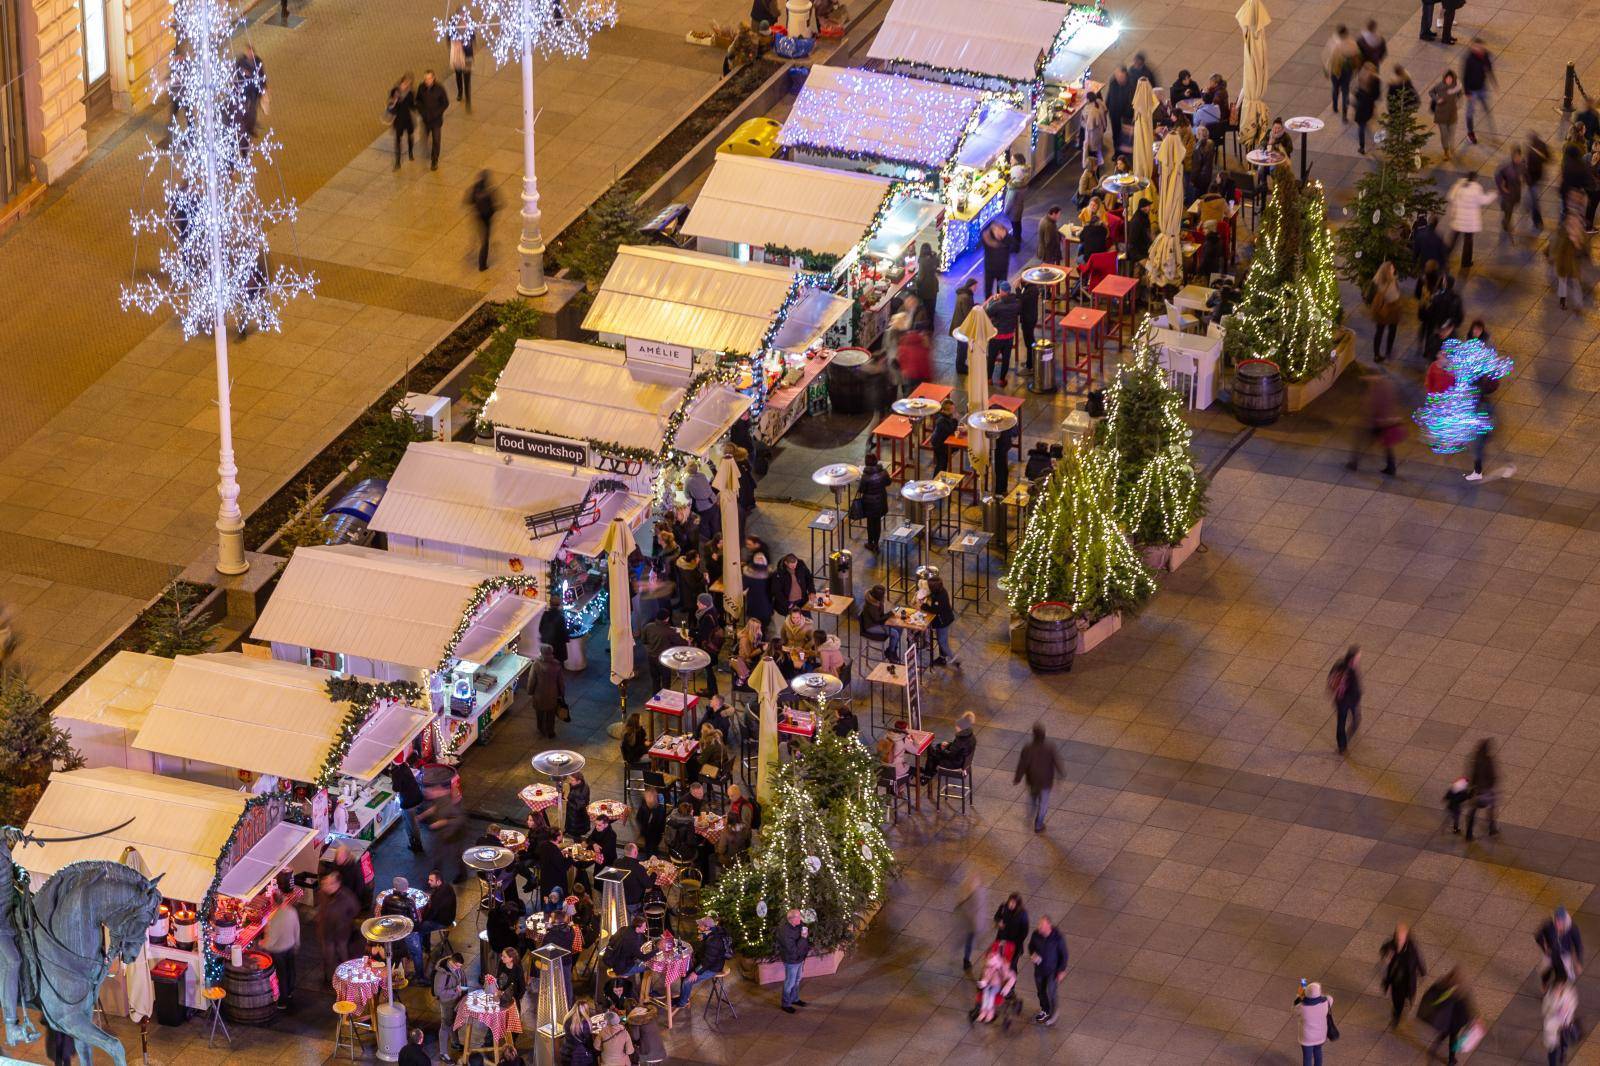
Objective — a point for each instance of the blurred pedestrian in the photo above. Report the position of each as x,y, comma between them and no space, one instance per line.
250,78
463,38
1372,45
1562,946
1340,59
484,203
1383,422
972,907
996,256
548,691
1444,100
1402,970
965,299
1344,685
1368,87
1447,1007
1016,195
1508,183
1038,763
1487,387
1477,72
1538,155
432,103
1568,247
1559,1012
927,286
401,110
1466,201
1483,778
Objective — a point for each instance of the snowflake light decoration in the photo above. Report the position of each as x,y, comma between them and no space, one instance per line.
214,220
512,27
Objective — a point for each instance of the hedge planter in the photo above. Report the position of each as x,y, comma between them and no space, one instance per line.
770,971
1098,632
1303,393
1171,556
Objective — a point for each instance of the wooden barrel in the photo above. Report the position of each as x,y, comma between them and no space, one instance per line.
1258,392
1052,637
250,990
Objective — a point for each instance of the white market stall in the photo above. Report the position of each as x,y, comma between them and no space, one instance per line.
373,614
105,713
690,317
277,725
503,513
863,230
217,850
953,141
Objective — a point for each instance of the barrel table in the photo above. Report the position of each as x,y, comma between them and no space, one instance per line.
1052,637
250,989
1259,392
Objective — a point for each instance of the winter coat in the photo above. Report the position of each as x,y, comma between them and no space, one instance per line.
962,310
1403,967
1050,247
1052,952
402,105
432,102
549,686
938,605
874,492
1366,97
1314,1014
1038,762
1465,204
758,595
1384,303
916,357
996,253
792,945
1446,101
1564,250
1011,924
1508,183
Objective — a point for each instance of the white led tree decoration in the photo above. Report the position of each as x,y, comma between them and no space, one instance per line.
519,28
215,223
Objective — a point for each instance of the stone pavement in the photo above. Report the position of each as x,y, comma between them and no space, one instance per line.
107,425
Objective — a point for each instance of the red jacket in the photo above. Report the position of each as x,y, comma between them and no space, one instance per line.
916,359
1438,379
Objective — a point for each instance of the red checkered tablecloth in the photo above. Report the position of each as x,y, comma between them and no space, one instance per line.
612,810
357,982
540,797
674,964
711,826
663,871
484,1008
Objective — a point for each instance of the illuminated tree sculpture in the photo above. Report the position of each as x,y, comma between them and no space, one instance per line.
214,222
518,29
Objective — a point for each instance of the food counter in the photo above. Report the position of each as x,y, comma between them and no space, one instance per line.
877,285
1056,115
176,935
476,698
972,206
795,396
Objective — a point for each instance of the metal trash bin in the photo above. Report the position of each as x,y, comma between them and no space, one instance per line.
840,581
1045,376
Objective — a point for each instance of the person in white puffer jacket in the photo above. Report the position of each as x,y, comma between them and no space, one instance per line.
1464,213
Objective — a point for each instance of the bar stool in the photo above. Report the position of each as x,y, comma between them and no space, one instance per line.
214,996
655,917
344,1030
689,889
896,790
633,781
718,996
954,783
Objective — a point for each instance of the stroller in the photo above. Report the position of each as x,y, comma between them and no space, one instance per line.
997,988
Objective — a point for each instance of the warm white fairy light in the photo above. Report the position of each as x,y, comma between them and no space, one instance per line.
213,264
548,27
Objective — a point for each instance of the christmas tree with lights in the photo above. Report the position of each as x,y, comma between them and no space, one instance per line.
1388,198
1160,494
822,852
1074,551
1289,309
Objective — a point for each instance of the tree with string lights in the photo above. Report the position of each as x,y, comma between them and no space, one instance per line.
214,268
519,29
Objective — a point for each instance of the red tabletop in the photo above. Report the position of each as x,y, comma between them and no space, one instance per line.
1115,286
1008,403
920,739
671,751
929,391
670,701
796,727
1084,318
895,427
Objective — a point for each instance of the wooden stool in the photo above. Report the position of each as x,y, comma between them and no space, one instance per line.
214,997
718,996
344,1030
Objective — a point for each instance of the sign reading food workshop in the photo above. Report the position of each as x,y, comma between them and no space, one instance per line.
541,446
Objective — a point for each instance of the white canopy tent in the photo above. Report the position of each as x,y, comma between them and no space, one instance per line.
888,117
106,712
390,617
268,717
1007,40
466,504
754,201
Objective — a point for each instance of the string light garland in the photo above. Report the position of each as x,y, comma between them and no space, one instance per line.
363,698
482,593
1160,494
883,118
547,27
215,964
810,260
1453,420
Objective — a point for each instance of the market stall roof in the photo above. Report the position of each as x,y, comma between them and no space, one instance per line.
811,316
691,299
118,694
1075,56
999,126
997,38
265,716
860,113
179,827
371,604
477,497
757,201
909,217
587,392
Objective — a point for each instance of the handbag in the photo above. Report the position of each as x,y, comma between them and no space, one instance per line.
858,509
563,712
1333,1029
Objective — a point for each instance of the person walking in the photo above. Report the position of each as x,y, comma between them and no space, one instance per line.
1368,88
873,497
484,203
1402,970
1038,763
1477,72
462,42
972,906
1559,1012
965,300
1340,60
996,257
548,691
1315,1012
1094,120
1447,1007
1119,105
1383,301
401,110
1464,206
1444,100
1016,198
1536,159
337,908
1384,423
1508,184
403,778
927,287
1048,950
1372,46
1344,685
1482,779
1568,245
432,103
1562,947
1487,387
250,75
1011,924
281,939
793,945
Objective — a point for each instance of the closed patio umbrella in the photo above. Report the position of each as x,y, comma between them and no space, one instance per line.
618,546
1165,265
1144,130
979,331
1254,118
768,682
727,485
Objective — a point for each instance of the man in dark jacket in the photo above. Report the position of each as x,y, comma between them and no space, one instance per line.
638,878
432,102
658,637
790,586
440,913
1402,969
954,753
414,1054
1119,104
1426,244
409,792
1027,317
793,944
1005,311
1048,949
625,956
1139,234
873,492
1562,946
1477,70
650,821
1093,236
604,837
716,948
1537,155
484,203
1038,763
996,255
336,910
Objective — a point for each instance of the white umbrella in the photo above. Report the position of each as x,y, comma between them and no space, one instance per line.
618,546
1254,118
727,485
768,682
1144,130
136,977
979,331
1165,265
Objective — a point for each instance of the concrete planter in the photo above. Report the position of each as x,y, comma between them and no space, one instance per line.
1098,632
1302,394
1171,556
770,971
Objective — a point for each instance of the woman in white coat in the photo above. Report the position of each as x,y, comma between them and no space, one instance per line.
1464,214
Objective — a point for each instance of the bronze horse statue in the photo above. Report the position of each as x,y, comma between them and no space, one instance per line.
56,945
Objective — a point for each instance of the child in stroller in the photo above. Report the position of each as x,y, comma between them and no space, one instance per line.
996,985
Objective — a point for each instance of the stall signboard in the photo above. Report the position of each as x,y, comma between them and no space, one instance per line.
541,446
255,824
658,361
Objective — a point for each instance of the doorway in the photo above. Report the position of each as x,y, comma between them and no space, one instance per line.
96,55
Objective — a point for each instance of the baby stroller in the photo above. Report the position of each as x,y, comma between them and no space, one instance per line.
997,998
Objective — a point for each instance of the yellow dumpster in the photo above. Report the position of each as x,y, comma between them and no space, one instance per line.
758,136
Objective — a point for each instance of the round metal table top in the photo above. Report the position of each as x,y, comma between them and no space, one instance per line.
916,407
1124,184
837,475
685,659
816,686
386,928
994,420
1044,275
1304,124
558,763
487,857
925,491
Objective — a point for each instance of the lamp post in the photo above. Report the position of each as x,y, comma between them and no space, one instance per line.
517,29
